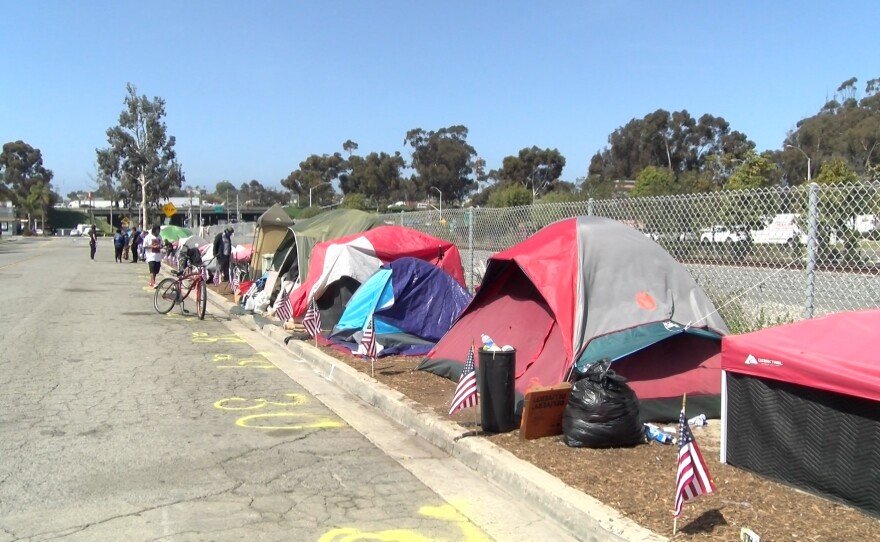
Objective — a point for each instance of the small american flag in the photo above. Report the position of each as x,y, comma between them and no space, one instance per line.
369,338
466,394
204,273
236,281
312,319
283,308
217,277
693,477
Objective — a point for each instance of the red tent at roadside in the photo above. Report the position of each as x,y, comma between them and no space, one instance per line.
587,288
356,257
802,405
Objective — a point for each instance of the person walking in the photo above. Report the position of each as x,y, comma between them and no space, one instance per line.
223,252
153,253
93,243
118,243
135,244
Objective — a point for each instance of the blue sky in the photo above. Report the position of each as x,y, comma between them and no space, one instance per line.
253,88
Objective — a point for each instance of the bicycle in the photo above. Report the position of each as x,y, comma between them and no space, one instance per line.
171,291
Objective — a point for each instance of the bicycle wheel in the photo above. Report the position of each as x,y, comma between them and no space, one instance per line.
166,296
201,300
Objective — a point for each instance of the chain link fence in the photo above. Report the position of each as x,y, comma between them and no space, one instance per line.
765,257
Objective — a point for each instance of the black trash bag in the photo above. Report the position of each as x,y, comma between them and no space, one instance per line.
602,411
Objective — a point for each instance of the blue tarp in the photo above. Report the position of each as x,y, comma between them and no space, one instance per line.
414,304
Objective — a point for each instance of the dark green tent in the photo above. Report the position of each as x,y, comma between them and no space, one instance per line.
294,252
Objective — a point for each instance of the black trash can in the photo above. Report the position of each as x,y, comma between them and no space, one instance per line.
497,375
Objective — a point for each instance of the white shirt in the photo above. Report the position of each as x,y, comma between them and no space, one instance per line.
152,248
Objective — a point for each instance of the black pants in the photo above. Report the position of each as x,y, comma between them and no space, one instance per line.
92,248
134,253
118,254
223,262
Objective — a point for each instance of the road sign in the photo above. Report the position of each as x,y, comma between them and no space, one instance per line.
169,209
218,209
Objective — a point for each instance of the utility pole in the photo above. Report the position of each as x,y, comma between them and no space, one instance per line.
809,162
237,209
200,207
227,205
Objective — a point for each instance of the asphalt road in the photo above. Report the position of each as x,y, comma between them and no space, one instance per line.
117,423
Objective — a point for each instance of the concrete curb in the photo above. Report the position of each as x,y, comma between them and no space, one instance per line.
585,517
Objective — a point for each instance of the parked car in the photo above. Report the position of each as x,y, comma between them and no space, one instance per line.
782,230
724,234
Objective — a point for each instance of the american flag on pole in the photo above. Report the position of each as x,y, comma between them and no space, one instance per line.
369,338
466,394
312,319
693,477
217,277
203,271
236,281
283,308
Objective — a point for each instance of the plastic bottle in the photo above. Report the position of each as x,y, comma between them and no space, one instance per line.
652,432
488,343
698,421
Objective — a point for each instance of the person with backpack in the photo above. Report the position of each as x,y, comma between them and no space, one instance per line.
118,243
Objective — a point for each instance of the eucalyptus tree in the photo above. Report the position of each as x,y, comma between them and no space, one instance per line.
376,175
443,160
24,178
537,170
315,175
846,127
140,157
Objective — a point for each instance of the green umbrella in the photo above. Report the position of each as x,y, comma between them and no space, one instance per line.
173,233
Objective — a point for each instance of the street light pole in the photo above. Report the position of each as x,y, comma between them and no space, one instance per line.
312,188
441,202
809,162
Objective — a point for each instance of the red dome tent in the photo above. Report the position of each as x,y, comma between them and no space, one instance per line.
802,405
586,288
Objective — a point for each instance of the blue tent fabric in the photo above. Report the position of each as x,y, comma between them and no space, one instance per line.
373,294
414,304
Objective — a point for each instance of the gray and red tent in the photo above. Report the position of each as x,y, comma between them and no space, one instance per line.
587,288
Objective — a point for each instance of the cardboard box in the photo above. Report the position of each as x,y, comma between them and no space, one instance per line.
542,411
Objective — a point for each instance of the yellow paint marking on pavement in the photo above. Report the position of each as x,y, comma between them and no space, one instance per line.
296,399
448,512
444,512
202,337
350,534
245,421
257,361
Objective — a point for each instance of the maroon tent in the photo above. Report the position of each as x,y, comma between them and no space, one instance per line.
801,405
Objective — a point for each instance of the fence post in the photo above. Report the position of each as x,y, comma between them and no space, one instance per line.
470,212
812,238
401,218
590,207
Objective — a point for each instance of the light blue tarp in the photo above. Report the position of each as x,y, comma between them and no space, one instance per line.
413,304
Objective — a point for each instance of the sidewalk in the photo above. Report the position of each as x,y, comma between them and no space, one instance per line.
585,517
